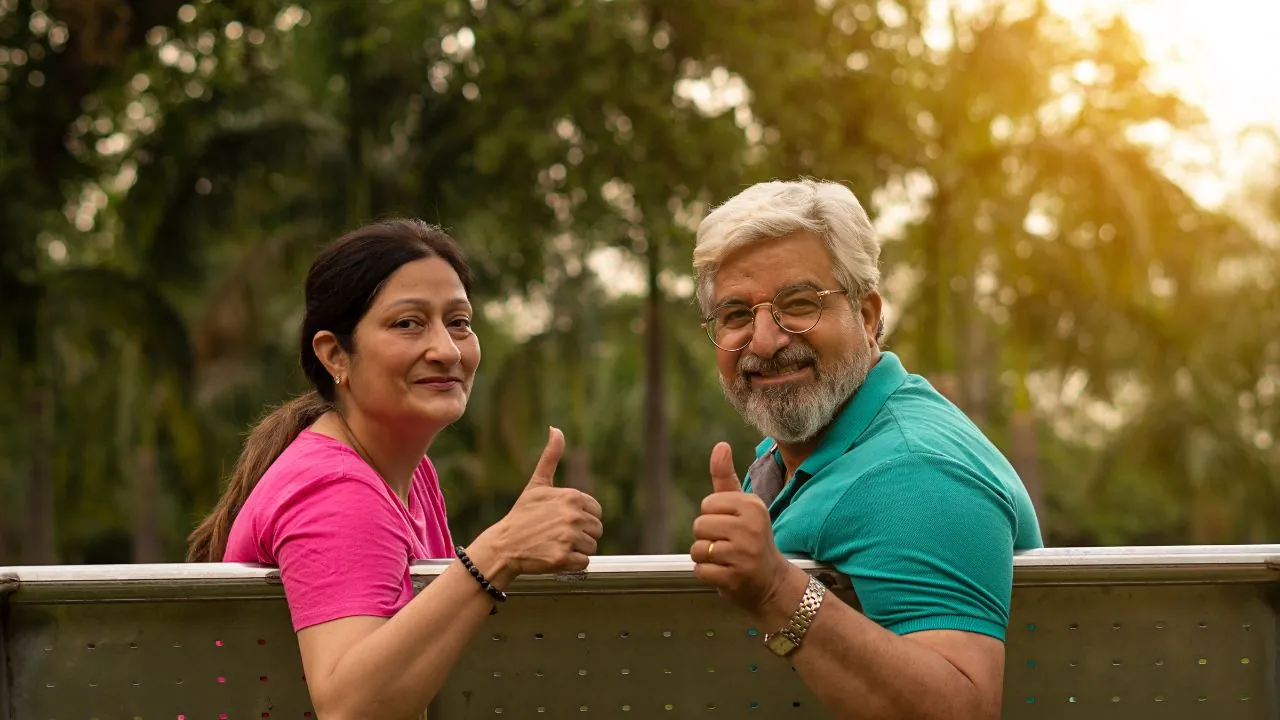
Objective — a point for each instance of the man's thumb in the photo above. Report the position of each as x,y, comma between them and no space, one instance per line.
544,475
723,477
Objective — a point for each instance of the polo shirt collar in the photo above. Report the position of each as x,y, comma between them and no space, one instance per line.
886,376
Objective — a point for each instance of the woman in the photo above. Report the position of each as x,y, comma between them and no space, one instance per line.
336,490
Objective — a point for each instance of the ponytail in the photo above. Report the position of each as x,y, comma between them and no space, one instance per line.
208,541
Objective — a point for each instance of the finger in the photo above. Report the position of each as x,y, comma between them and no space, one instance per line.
545,473
715,527
701,551
583,543
723,477
590,504
726,503
575,562
592,526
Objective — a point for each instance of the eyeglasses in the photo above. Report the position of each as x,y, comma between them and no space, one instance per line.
796,310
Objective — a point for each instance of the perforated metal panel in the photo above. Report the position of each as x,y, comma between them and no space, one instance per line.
1102,634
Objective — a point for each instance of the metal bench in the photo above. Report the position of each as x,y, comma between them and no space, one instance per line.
1167,632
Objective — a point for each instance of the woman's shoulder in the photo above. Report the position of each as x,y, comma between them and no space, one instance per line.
311,463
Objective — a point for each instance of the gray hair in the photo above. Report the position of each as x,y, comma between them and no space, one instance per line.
771,210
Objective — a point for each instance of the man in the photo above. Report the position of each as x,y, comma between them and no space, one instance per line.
864,467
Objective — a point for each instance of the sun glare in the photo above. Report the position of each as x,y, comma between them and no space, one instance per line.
1221,56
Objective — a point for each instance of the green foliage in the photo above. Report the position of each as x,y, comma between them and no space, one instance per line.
167,180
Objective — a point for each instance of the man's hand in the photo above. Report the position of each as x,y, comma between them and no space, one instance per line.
733,540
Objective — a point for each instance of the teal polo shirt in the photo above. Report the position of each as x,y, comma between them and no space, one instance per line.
909,499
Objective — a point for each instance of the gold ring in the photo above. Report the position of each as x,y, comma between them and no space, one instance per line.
711,549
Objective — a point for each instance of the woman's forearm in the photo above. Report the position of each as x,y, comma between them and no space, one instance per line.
397,669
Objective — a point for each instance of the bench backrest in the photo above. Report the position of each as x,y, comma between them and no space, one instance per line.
1186,632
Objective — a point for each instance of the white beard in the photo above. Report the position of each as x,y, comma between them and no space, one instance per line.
798,412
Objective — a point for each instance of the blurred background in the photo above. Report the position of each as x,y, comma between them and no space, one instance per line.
1078,202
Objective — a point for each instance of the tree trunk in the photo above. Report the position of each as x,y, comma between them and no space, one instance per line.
655,533
40,545
1025,448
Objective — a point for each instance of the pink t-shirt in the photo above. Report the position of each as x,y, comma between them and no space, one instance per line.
342,539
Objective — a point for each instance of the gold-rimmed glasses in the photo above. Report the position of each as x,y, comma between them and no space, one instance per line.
796,310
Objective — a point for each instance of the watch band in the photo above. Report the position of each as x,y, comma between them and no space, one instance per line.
801,619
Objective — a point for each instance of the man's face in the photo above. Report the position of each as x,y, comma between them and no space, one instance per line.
790,386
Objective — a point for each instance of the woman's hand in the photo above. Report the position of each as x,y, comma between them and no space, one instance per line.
548,530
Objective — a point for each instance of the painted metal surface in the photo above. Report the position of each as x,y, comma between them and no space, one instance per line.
1186,632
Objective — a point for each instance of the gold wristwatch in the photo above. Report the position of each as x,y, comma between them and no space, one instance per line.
785,641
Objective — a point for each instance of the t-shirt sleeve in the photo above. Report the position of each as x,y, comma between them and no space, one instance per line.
341,553
927,544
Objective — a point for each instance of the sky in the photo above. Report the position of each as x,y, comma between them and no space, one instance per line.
1221,55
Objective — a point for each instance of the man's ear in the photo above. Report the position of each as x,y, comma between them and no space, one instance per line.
330,353
870,307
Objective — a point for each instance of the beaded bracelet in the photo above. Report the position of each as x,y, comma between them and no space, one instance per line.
494,592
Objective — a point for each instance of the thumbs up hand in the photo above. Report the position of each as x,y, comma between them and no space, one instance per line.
549,529
733,545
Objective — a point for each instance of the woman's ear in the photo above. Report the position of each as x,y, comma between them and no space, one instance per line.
330,353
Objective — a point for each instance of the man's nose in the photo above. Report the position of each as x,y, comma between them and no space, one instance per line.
767,338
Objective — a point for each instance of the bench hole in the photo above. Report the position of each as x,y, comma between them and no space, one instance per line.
626,671
582,708
711,633
541,709
1031,663
754,705
136,683
217,643
1031,627
626,708
497,711
582,672
262,678
582,636
537,636
1071,698
666,633
1246,627
1159,662
1031,700
1073,626
539,673
795,703
91,646
262,641
1159,626
497,637
1159,698
1202,661
133,646
752,668
1115,698
178,644
1115,626
624,634
222,716
710,669
93,684
669,707
753,632
711,706
1244,698
1203,625
1244,661
222,680
1202,698
497,673
1115,663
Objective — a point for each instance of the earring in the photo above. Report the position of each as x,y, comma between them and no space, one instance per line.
337,379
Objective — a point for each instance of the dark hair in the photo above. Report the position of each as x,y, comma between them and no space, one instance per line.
341,285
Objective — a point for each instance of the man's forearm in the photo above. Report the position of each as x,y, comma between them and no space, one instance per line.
860,670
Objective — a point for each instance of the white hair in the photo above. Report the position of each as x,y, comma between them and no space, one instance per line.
771,210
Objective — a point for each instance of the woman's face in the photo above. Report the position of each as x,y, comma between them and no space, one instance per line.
415,353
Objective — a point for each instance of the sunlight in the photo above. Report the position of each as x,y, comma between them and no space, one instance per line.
1221,57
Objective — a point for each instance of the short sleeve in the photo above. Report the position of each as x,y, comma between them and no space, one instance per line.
928,545
341,553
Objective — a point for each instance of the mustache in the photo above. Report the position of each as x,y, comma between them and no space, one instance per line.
790,355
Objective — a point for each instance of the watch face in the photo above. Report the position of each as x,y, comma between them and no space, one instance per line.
779,644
